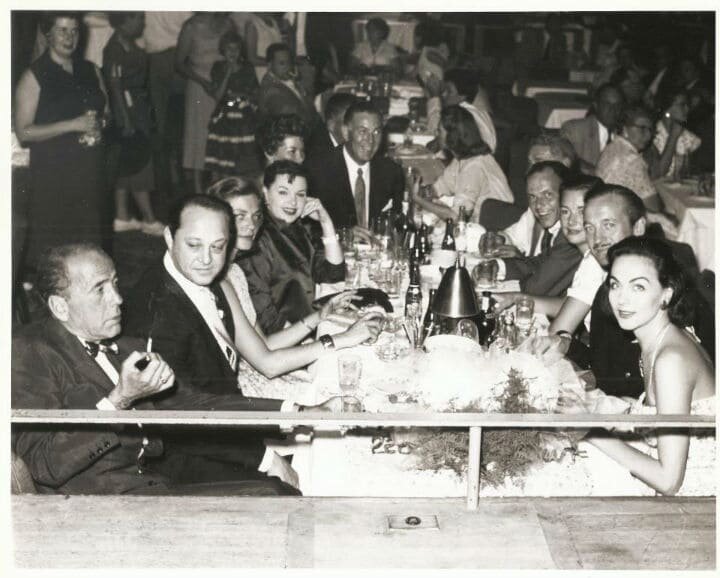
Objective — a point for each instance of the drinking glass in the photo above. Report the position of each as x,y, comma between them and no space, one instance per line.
524,309
485,274
489,244
349,371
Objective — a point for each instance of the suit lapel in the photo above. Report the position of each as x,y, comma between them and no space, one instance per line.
87,368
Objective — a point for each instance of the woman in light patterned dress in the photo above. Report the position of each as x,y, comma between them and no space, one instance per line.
279,353
648,295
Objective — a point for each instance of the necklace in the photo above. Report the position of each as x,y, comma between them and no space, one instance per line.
658,342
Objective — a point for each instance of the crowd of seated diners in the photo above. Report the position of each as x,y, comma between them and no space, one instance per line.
269,182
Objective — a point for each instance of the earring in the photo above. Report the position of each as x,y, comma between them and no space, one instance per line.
664,305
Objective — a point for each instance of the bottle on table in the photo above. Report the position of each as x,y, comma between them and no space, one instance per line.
448,242
429,324
460,230
413,295
486,320
425,247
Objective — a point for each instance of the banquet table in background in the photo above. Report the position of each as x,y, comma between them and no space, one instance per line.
555,108
696,215
402,29
529,88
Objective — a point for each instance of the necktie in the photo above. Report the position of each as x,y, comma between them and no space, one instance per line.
545,242
223,310
105,345
360,199
220,328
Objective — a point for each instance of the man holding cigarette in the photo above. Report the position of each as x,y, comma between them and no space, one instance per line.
75,360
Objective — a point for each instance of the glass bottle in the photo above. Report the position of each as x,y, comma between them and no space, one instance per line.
486,320
413,295
506,336
448,242
425,247
429,324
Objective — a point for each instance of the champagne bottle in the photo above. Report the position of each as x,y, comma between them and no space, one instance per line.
413,295
448,242
429,319
425,244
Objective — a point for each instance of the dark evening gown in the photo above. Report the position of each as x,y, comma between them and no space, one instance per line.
68,196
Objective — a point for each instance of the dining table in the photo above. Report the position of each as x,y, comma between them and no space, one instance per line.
695,213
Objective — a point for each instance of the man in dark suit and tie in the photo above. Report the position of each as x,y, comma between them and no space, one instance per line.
75,359
324,141
537,253
353,183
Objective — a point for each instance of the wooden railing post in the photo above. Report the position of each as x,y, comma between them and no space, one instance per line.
473,472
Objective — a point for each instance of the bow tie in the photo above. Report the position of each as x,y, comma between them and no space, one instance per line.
105,345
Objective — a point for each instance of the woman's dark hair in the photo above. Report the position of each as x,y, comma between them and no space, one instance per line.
380,25
231,37
680,308
47,19
289,168
466,82
275,129
463,136
580,182
231,187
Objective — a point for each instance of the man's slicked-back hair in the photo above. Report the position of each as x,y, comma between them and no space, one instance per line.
361,107
556,167
52,274
209,202
634,205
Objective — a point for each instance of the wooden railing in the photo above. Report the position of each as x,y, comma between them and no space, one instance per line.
474,422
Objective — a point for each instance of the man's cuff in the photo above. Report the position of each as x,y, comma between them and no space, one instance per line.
267,460
105,405
502,269
288,405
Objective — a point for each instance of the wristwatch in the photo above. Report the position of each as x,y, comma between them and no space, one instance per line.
327,341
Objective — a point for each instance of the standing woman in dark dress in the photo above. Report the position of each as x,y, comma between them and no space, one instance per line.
60,106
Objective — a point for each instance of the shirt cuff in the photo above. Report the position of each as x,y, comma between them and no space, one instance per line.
267,460
105,405
288,405
502,270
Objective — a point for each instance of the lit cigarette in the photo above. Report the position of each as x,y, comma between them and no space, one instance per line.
148,349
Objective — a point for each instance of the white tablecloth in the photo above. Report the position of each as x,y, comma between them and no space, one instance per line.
696,215
559,115
534,87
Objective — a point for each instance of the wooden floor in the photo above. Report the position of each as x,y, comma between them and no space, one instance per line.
509,533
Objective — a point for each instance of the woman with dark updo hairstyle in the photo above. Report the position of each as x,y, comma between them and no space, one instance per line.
472,176
649,295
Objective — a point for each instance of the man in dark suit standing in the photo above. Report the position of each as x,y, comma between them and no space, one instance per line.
353,183
334,135
74,359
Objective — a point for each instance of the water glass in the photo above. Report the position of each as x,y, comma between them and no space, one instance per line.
524,309
485,274
347,239
489,244
349,371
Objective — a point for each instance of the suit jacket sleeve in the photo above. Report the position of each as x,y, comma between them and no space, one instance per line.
548,275
53,456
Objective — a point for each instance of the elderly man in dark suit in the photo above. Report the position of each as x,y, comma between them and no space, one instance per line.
590,135
75,360
353,183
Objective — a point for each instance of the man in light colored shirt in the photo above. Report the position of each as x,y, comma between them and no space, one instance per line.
75,359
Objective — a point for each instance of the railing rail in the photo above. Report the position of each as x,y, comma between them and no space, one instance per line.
474,422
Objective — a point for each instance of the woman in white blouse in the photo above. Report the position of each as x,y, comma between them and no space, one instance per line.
472,176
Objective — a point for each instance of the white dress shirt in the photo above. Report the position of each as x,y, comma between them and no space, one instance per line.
352,169
602,135
204,301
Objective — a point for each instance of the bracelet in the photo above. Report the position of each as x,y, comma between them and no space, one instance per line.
327,341
563,333
330,240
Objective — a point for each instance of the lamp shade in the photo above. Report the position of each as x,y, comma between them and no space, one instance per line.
455,296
